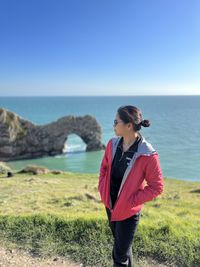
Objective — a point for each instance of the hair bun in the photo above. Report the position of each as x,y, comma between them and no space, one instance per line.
145,123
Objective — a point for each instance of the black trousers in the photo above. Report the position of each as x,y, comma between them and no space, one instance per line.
123,233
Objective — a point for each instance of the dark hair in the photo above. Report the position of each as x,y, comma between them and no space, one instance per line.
131,114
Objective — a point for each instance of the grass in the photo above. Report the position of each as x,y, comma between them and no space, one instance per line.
62,214
69,195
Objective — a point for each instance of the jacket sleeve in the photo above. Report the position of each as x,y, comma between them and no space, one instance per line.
154,179
103,168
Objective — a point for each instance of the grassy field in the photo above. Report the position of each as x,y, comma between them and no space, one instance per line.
62,215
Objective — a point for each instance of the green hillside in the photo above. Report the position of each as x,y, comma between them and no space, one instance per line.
62,214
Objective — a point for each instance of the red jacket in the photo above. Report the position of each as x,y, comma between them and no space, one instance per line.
142,180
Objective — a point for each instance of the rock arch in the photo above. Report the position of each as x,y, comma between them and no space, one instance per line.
74,143
21,139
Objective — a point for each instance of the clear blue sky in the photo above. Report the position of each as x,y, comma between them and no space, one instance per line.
99,47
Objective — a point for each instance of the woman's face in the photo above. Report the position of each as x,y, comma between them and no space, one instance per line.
119,126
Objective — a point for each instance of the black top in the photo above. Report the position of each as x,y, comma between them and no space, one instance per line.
119,165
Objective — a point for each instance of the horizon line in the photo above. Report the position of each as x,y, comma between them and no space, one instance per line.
90,95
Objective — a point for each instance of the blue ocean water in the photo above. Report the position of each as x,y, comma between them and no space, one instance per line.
174,132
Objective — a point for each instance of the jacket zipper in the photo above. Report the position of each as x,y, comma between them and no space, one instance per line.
121,156
122,179
120,189
128,170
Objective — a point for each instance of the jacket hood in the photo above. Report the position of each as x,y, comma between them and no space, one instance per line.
144,147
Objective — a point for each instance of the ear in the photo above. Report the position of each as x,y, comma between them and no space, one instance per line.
130,126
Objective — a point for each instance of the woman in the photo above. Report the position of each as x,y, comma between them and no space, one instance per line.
130,175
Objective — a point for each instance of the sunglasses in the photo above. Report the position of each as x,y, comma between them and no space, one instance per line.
116,122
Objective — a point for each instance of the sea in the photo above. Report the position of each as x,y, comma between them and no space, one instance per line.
174,130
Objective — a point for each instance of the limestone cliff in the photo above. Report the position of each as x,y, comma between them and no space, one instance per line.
21,139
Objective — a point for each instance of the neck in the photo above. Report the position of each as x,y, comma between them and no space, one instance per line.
130,138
